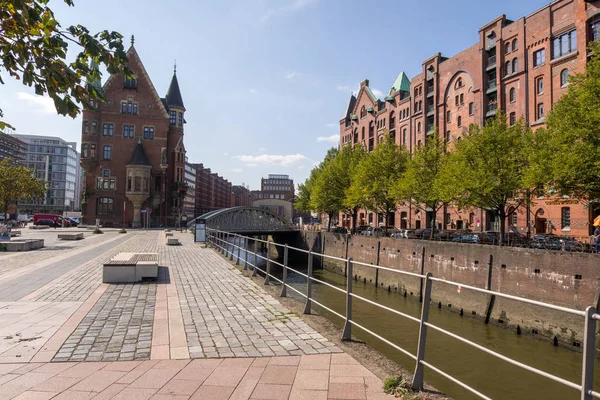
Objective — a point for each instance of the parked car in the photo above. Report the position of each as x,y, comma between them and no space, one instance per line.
467,238
361,228
46,222
52,217
74,222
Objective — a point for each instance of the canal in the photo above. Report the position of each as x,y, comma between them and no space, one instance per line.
485,373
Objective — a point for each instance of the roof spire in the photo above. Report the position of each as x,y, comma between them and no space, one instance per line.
175,67
132,40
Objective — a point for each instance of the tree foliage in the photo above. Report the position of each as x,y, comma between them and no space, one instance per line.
421,184
33,49
373,185
488,167
18,183
572,140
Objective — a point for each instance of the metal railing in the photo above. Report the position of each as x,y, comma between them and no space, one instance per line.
225,243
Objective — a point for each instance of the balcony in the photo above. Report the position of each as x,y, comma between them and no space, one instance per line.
491,86
180,186
491,63
429,90
491,109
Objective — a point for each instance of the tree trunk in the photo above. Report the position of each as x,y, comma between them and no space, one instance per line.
5,209
354,216
502,216
387,214
433,217
330,214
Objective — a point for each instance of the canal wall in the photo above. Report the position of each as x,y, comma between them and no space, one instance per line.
561,278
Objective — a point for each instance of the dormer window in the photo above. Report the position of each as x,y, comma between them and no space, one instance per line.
130,83
172,117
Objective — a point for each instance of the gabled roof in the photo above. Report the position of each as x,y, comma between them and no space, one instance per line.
375,99
139,156
173,96
401,83
350,107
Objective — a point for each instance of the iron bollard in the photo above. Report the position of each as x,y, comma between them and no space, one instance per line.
285,272
347,334
239,249
268,269
307,305
245,253
417,383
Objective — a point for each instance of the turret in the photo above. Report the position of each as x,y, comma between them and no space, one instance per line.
175,102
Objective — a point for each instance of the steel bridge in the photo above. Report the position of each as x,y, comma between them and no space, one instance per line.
247,220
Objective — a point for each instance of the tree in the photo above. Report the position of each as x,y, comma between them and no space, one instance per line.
572,165
344,168
18,183
324,198
488,166
33,49
376,176
421,184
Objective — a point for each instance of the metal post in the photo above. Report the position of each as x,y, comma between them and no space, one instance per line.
347,334
422,272
285,272
307,305
254,273
268,269
589,349
417,382
230,236
245,253
239,249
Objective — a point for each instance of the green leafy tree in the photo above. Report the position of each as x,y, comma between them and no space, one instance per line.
324,198
33,49
344,168
421,184
18,183
488,167
377,174
571,164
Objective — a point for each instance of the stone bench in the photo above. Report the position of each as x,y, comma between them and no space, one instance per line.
39,227
15,233
172,241
130,268
24,245
167,234
70,236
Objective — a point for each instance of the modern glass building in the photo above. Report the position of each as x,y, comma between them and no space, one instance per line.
57,162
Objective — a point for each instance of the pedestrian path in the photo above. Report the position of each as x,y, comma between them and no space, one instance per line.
202,331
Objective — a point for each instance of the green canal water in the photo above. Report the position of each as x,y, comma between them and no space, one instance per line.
489,375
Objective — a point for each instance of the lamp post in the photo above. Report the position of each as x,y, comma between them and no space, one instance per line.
124,211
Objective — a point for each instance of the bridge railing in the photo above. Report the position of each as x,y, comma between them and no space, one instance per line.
225,242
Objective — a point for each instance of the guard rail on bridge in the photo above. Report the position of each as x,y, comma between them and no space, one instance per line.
246,220
224,241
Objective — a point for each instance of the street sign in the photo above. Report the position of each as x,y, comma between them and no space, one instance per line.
200,235
144,210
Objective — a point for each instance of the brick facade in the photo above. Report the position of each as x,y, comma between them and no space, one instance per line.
133,113
240,196
212,191
503,71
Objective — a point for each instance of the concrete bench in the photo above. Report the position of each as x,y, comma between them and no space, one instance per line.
24,245
39,227
70,236
172,241
167,234
130,268
15,233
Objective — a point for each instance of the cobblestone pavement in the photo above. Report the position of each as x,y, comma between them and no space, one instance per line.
119,327
316,377
228,315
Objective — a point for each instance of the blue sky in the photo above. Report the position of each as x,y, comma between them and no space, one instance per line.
265,82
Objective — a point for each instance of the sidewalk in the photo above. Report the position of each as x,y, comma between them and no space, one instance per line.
203,331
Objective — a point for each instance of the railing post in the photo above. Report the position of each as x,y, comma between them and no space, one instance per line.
245,253
589,349
268,268
239,249
417,382
223,247
307,305
220,242
285,272
347,334
230,236
254,272
422,272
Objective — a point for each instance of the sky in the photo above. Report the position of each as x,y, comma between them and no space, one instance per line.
265,82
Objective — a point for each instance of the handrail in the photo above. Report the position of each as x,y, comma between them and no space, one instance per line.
217,237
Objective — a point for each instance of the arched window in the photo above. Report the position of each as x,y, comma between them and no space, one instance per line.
84,150
392,120
512,95
419,143
508,68
363,134
363,112
515,44
459,83
507,48
564,77
355,136
404,136
515,65
93,150
419,127
371,130
448,116
459,121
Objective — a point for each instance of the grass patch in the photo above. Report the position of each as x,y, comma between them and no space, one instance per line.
400,387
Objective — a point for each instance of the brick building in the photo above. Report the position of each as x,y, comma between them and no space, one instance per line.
212,191
240,196
275,187
132,151
520,67
189,201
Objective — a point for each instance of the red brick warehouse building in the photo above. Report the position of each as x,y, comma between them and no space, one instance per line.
520,67
132,151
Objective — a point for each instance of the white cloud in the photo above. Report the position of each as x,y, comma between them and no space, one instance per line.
349,89
378,93
292,74
272,159
332,125
253,91
236,170
289,8
329,139
38,103
262,149
251,165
